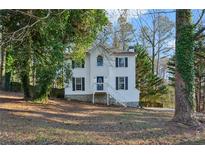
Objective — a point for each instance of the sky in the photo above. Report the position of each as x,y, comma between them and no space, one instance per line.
114,14
135,15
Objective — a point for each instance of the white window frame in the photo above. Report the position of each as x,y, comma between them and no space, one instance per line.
81,84
102,60
121,58
121,61
120,83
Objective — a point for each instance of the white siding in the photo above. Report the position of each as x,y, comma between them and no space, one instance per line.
109,71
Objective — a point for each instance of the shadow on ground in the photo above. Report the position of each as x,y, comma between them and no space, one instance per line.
62,122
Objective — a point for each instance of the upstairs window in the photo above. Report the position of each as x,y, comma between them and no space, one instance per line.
78,64
99,60
121,61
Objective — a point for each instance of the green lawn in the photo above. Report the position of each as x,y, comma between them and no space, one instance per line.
61,122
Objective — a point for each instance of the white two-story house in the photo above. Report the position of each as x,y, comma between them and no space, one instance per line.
105,76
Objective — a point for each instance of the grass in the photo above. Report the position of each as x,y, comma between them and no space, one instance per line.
63,122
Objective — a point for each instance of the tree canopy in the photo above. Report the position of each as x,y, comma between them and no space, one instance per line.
40,40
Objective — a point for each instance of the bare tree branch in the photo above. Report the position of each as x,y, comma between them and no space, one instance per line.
201,16
160,12
19,34
199,32
199,37
27,14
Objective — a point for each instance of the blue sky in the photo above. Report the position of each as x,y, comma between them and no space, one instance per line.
114,14
135,15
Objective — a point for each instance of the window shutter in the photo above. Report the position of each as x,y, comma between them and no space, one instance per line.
83,63
117,83
116,62
83,84
126,62
126,83
73,64
73,82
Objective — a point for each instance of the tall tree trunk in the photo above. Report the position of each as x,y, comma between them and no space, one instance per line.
158,48
25,80
26,67
25,85
200,98
153,66
7,83
153,47
3,64
7,76
184,85
157,67
204,96
198,94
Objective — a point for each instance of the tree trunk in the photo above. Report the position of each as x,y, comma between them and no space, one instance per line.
7,76
25,84
200,96
196,95
157,67
158,48
25,71
3,64
153,66
204,97
7,83
153,46
184,85
203,93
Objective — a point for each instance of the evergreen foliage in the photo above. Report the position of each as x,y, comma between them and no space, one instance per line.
151,86
40,39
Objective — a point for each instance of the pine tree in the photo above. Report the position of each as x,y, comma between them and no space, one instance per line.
151,86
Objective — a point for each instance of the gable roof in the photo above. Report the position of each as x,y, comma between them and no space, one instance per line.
117,52
127,53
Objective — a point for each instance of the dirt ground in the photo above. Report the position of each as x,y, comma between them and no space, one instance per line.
64,122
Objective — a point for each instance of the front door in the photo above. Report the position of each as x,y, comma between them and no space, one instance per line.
100,81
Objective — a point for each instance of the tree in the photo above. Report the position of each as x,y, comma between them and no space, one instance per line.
76,35
199,65
122,31
187,67
184,74
2,65
125,32
171,70
46,35
105,36
12,22
156,36
117,34
8,68
151,86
